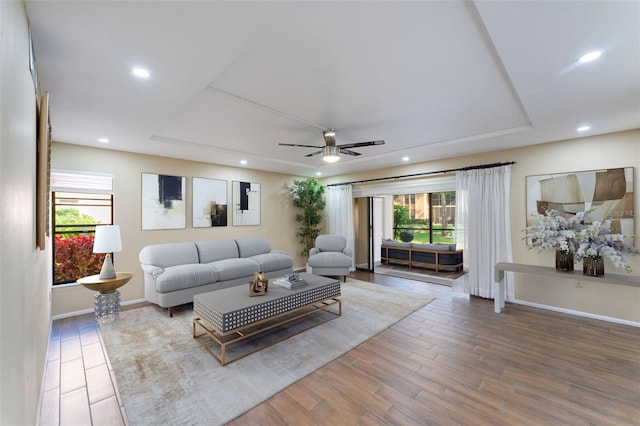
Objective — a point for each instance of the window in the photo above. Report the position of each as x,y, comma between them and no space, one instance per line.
425,218
81,200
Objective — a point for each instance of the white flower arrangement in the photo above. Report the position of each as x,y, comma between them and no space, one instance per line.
571,235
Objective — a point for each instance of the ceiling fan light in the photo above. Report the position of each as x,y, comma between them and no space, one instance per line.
331,154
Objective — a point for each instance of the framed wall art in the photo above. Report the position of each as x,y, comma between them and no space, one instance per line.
43,173
163,202
607,192
246,203
209,198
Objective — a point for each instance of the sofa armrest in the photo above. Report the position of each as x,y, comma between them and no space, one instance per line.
313,251
348,251
153,270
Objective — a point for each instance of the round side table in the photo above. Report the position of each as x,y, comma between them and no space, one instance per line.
106,301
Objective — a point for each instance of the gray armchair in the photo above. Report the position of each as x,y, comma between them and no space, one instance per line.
330,256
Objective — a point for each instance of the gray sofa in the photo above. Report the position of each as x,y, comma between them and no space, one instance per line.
442,258
175,272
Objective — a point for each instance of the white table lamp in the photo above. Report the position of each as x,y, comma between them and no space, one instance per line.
107,240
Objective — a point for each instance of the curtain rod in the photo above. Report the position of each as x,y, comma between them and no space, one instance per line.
481,166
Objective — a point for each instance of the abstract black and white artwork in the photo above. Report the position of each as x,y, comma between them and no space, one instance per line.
209,202
246,203
163,202
606,193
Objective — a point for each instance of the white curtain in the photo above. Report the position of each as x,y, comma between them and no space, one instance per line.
341,213
484,228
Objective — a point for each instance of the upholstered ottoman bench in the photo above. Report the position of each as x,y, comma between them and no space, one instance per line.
230,315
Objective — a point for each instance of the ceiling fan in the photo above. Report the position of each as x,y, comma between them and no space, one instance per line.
330,151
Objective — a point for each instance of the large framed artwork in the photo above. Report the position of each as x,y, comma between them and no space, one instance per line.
163,202
246,203
43,174
608,193
209,198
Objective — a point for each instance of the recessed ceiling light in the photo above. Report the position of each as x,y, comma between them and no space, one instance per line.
103,140
590,56
583,128
405,158
140,72
243,162
318,173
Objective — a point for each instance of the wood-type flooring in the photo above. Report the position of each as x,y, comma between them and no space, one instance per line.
455,361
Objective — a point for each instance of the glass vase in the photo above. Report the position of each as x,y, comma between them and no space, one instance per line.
593,266
564,261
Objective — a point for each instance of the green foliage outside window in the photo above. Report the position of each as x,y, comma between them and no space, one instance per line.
74,257
70,221
400,219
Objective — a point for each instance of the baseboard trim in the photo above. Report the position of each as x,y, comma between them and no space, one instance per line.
577,313
90,311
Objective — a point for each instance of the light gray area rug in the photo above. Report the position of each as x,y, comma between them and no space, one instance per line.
166,377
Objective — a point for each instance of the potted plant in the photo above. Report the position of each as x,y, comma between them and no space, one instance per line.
308,196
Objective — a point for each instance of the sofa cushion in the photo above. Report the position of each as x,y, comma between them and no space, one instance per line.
424,256
331,243
438,247
213,250
185,276
328,259
450,259
251,246
172,254
272,261
231,269
398,253
392,243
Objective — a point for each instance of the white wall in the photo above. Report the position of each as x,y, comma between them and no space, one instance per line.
277,217
24,270
598,152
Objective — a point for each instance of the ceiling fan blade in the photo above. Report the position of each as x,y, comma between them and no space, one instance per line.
313,153
360,144
302,146
348,152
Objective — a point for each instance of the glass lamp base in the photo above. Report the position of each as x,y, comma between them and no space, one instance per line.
107,306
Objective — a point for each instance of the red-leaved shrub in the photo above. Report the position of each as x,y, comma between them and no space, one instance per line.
75,258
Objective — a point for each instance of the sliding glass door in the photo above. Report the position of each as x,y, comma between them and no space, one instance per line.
368,213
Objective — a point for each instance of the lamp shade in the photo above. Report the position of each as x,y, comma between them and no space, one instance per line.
331,154
107,239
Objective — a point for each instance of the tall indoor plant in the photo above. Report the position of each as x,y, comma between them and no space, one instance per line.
308,196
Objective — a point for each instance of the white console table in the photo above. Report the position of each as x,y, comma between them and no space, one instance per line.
502,267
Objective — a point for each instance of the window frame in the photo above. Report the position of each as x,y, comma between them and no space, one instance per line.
78,189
